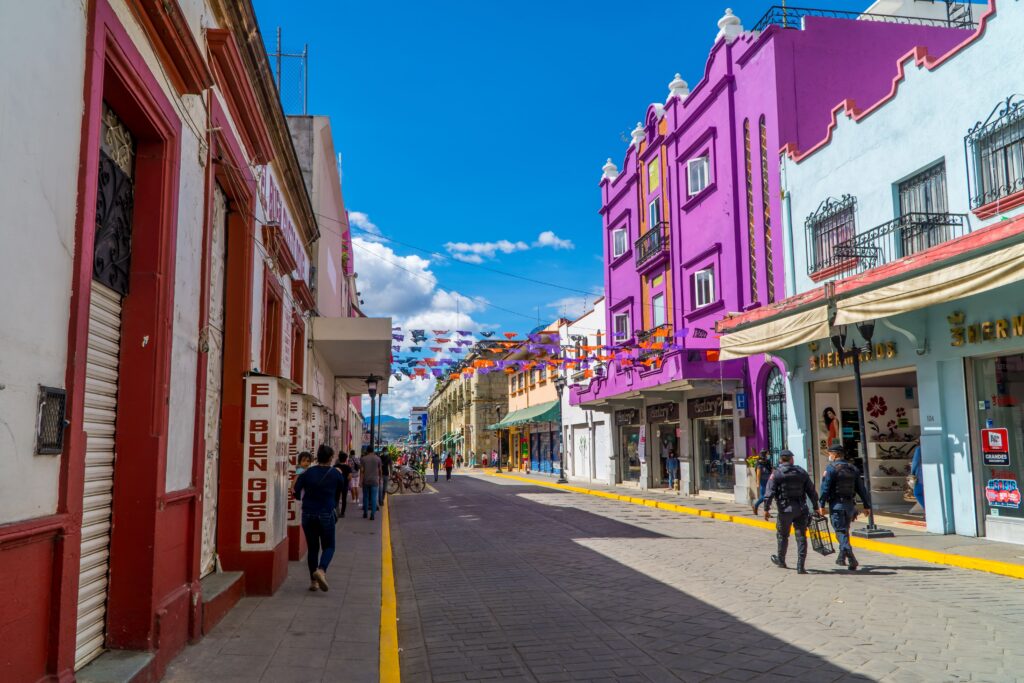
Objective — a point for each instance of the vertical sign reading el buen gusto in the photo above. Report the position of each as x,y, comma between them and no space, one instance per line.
264,464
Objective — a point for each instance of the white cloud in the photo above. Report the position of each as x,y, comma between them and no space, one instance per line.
370,231
478,252
549,239
402,397
573,307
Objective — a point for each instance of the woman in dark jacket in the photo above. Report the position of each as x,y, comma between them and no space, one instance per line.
319,488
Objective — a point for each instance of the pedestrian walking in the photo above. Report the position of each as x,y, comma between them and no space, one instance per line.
353,486
790,486
345,468
319,488
672,464
435,462
763,471
448,465
458,461
841,483
385,474
370,476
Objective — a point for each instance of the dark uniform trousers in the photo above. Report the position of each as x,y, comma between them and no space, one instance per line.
842,516
798,519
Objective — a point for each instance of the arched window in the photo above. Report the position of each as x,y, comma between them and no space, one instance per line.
775,411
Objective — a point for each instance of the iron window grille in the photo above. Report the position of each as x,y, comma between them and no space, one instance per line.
958,15
50,421
833,223
995,153
651,243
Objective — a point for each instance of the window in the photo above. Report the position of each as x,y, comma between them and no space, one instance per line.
703,287
696,175
270,351
832,225
298,348
619,242
996,152
923,211
653,214
775,410
653,175
621,326
658,310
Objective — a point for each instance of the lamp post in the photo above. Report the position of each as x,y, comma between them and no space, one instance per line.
371,389
560,387
867,330
497,412
376,446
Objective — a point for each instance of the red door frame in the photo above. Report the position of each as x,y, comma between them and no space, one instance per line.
115,72
226,167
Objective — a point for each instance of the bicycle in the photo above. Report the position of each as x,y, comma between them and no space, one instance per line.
407,479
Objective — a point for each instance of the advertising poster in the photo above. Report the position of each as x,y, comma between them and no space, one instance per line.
995,447
827,424
265,464
641,449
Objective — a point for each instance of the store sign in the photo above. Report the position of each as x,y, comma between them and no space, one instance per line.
663,412
264,464
995,447
1002,493
627,417
879,351
709,406
988,330
276,210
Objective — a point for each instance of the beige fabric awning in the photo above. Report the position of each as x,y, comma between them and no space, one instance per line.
774,335
973,276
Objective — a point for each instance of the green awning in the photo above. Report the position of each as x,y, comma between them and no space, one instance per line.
542,412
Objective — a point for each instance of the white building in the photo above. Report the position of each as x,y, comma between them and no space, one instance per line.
586,434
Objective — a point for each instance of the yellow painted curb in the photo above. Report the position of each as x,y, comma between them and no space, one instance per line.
1015,571
388,667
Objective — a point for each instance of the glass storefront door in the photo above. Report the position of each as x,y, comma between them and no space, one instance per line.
667,442
715,447
629,446
999,389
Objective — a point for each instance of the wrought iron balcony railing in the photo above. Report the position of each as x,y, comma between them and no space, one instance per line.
958,15
904,236
651,243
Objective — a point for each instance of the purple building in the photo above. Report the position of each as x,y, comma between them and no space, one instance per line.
693,229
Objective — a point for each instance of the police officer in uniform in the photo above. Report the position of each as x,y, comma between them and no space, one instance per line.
841,483
790,486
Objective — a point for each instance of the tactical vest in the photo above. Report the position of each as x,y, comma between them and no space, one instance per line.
790,483
846,479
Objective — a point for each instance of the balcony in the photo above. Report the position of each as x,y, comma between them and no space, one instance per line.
901,237
651,243
958,15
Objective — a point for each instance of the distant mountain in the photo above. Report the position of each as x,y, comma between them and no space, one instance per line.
392,428
389,418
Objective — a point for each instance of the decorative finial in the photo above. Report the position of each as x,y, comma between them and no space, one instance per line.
611,171
678,88
638,135
729,27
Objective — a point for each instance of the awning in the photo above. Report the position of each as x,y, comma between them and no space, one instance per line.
542,412
354,349
776,334
972,276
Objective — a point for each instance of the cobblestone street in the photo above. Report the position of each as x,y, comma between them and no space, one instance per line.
500,579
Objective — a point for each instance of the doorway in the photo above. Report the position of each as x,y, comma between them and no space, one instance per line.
714,445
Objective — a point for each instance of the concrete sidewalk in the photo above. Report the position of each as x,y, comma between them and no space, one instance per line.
964,551
299,636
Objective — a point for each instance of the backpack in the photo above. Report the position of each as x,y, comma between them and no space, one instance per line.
846,479
790,482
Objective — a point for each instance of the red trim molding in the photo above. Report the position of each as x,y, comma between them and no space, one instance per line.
277,245
995,208
234,84
173,41
826,273
303,295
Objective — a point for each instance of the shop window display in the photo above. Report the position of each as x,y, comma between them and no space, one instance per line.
630,449
999,388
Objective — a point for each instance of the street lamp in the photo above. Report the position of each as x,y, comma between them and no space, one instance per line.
867,330
371,389
560,387
497,412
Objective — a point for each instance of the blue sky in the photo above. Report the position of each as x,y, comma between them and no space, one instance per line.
474,121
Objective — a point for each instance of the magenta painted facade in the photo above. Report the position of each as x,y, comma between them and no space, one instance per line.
759,91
